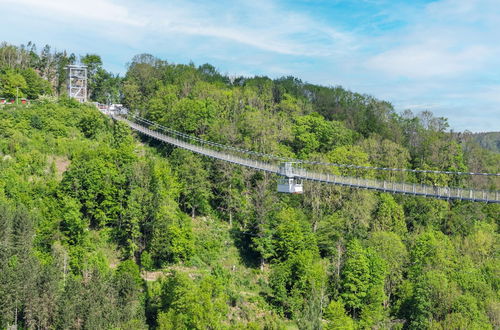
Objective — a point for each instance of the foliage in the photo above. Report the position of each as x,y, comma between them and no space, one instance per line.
105,229
296,280
489,140
336,317
389,216
13,85
188,304
24,72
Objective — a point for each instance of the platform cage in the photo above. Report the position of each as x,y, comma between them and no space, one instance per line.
288,183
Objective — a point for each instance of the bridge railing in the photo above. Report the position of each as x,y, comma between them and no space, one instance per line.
403,188
202,142
382,173
209,149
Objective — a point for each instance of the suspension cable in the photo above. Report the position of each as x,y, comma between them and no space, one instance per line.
300,161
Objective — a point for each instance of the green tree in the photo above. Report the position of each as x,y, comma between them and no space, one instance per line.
386,153
347,154
93,63
432,298
35,85
141,80
230,194
12,84
191,116
372,312
106,87
172,240
128,284
355,280
193,176
312,133
336,317
131,228
296,281
391,248
96,183
91,123
161,103
430,250
292,235
186,304
72,223
425,212
389,216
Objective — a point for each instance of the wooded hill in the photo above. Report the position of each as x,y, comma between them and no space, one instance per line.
489,140
102,228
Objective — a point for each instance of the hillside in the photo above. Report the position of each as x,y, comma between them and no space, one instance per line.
103,228
489,140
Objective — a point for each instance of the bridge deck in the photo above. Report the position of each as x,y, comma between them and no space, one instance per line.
354,182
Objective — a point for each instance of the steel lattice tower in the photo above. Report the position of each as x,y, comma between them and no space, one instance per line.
77,82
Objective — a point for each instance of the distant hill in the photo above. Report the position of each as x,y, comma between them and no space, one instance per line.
489,140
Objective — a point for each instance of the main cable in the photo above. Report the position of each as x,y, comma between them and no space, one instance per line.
301,161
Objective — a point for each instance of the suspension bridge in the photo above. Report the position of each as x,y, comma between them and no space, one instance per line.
293,175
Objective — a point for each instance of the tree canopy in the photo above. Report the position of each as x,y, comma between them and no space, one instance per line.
103,228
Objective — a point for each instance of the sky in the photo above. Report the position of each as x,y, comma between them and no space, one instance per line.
442,56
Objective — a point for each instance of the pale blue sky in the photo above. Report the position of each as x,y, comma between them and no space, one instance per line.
442,56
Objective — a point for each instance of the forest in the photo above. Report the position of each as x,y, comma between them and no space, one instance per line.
102,228
488,140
